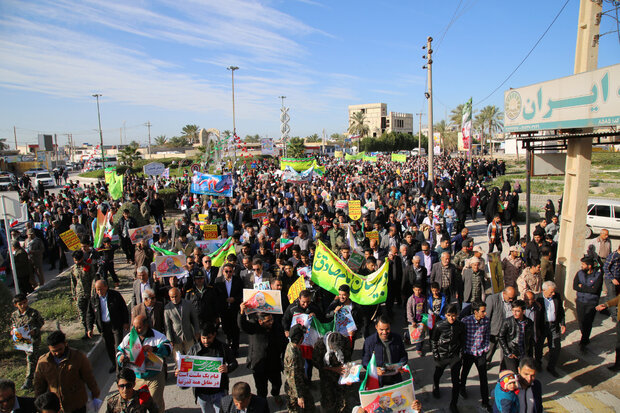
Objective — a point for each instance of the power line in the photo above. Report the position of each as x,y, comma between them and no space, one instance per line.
526,56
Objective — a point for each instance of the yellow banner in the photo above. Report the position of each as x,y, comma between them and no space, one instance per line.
210,231
71,240
330,272
297,287
355,210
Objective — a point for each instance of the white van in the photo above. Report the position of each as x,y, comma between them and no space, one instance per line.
603,214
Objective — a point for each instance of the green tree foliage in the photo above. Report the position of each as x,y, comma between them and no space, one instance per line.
456,116
296,148
129,154
392,142
179,141
491,119
161,140
191,133
252,138
313,138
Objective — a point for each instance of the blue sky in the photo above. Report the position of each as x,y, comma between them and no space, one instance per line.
165,61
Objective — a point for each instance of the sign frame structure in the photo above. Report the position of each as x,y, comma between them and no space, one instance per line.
585,100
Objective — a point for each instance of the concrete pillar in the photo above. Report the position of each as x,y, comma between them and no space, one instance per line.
571,245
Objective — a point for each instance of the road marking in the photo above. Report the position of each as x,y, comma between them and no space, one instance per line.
586,402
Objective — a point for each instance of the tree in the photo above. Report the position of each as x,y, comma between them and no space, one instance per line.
456,116
179,141
161,140
191,133
296,148
313,138
492,116
357,126
129,154
252,138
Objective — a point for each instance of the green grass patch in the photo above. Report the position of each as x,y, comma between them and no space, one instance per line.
92,174
57,303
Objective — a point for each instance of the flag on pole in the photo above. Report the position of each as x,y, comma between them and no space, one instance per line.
163,251
218,257
136,355
371,381
285,244
467,125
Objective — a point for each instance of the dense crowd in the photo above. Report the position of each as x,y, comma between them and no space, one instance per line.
419,227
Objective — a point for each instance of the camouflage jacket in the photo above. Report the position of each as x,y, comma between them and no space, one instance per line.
82,277
459,259
30,318
116,404
294,372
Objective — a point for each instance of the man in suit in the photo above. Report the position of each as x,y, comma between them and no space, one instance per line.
210,272
181,320
499,308
257,275
108,310
550,325
204,299
151,309
428,258
242,400
230,294
10,403
446,275
140,284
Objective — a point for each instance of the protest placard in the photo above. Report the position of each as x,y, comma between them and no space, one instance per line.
350,374
372,235
21,339
395,398
203,217
196,371
71,240
344,323
355,209
171,266
262,301
209,231
259,213
138,234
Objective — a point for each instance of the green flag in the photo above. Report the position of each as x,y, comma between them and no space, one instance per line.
218,257
163,251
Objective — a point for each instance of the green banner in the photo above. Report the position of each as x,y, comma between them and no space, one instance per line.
370,158
358,157
399,157
330,272
298,164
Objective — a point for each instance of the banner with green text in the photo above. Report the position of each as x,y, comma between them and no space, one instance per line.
358,157
330,272
399,157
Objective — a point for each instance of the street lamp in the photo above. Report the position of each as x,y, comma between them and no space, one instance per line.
97,95
232,72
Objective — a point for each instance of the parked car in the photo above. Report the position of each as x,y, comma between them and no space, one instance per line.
8,182
603,214
45,178
32,172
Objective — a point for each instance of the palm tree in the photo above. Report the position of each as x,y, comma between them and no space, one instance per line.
179,141
493,121
129,155
296,148
313,138
191,132
161,140
456,116
3,145
357,126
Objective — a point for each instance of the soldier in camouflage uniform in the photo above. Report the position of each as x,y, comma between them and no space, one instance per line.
82,277
297,385
128,400
329,356
25,316
463,255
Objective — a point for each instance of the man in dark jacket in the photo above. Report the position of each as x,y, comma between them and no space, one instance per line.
209,398
550,325
9,402
446,275
448,342
516,337
125,223
388,348
203,298
158,211
230,293
530,388
588,283
108,310
265,350
242,400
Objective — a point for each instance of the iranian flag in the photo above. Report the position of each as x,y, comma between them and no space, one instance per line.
371,381
136,355
429,320
315,331
285,244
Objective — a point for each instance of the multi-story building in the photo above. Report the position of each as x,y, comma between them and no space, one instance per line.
380,121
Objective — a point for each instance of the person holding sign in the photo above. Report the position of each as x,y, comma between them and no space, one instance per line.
209,398
25,317
343,304
389,351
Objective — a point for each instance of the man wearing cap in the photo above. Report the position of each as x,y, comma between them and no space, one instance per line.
512,267
465,253
588,283
530,279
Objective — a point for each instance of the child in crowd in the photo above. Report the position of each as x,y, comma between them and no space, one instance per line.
416,307
506,390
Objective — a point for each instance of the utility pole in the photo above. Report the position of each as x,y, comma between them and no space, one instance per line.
124,136
578,162
232,72
71,146
284,128
56,148
15,136
148,125
97,95
429,96
420,149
